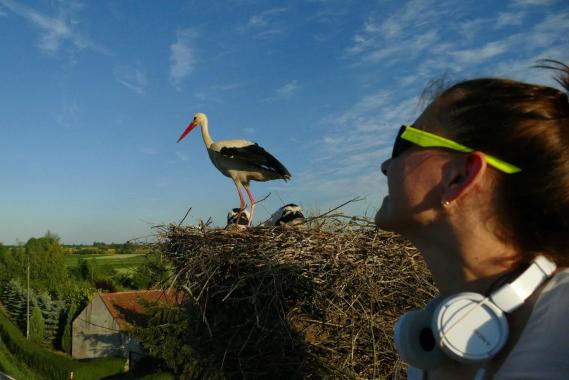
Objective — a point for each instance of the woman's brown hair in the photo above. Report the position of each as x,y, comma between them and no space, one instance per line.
526,125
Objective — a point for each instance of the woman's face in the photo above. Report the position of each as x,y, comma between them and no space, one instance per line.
414,181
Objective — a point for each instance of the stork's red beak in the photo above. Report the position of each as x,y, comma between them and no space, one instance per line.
192,125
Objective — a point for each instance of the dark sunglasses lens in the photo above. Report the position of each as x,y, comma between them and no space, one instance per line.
400,145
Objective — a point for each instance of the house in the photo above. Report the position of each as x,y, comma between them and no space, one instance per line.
101,329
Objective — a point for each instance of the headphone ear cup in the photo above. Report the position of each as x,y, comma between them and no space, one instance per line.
415,342
469,328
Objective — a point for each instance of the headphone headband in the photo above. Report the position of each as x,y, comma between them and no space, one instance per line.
512,295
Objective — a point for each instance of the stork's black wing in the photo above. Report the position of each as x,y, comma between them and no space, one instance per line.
255,155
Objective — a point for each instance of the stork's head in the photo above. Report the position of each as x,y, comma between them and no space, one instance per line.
199,119
290,214
244,217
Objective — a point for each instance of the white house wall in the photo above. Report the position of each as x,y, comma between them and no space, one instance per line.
95,333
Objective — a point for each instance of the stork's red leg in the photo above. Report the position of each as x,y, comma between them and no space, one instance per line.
242,205
252,204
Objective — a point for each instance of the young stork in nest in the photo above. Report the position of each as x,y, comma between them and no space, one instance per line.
241,160
235,224
289,215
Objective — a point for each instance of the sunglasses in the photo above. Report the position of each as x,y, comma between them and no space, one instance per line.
409,137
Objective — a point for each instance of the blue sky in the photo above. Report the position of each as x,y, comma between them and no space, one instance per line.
94,94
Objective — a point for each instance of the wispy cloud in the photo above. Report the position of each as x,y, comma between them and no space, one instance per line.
471,28
132,77
182,56
68,114
215,93
433,39
284,92
481,54
413,29
330,13
208,97
553,23
529,3
288,89
265,18
226,86
148,151
510,18
266,24
346,160
546,33
56,31
405,48
180,157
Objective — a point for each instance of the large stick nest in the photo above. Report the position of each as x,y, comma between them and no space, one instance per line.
297,302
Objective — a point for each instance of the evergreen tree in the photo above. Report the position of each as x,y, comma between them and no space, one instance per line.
37,326
66,338
51,313
14,298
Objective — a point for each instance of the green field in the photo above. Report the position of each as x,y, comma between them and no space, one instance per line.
122,263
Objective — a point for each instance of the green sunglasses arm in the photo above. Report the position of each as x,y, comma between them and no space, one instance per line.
428,140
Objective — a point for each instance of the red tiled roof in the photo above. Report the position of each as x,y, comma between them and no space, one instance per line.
129,312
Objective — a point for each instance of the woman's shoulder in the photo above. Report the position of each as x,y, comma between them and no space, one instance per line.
557,282
541,352
551,309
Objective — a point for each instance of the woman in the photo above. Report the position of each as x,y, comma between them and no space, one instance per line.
480,185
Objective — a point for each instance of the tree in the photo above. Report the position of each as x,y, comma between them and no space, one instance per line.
37,326
14,299
156,270
77,292
51,311
53,236
12,264
127,247
86,270
66,338
47,262
165,338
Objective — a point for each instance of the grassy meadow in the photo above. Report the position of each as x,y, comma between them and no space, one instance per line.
121,263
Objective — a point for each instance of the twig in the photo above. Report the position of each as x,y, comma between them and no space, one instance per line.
184,218
266,196
356,199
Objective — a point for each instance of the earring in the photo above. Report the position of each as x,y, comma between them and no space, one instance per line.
445,203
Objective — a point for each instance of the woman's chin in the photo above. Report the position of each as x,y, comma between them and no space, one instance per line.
382,216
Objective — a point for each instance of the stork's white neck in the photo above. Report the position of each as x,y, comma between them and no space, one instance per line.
205,134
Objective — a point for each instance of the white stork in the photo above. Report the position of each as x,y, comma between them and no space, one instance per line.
241,160
289,215
233,222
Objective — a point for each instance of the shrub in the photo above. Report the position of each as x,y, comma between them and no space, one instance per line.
106,284
51,365
85,268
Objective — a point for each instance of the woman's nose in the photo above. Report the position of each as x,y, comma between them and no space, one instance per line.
385,166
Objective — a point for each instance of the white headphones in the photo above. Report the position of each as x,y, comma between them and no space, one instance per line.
466,327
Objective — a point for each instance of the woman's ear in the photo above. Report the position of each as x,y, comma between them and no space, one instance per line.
463,174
